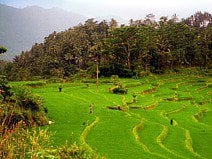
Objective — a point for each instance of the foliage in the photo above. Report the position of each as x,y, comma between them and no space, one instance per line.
127,51
19,104
5,92
115,131
23,143
35,84
118,88
36,143
3,49
115,79
11,115
198,20
24,98
194,71
3,65
73,151
24,110
54,80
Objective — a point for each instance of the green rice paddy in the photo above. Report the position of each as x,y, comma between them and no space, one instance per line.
143,131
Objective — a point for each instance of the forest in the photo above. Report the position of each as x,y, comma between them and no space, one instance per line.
142,47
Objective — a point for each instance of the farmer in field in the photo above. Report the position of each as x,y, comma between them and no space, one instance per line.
171,121
60,88
91,108
134,98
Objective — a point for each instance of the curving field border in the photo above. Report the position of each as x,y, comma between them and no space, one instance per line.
85,134
135,130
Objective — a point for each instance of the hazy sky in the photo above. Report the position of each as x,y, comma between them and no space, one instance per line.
126,9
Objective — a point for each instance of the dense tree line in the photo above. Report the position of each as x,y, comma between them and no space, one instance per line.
126,50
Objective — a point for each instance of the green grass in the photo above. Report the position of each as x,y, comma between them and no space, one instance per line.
136,133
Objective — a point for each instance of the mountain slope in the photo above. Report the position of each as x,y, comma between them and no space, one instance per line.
21,28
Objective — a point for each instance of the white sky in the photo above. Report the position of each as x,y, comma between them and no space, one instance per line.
126,9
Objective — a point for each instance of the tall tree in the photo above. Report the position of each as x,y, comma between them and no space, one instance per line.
2,49
203,47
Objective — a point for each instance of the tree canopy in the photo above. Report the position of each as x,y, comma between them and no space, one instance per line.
122,50
2,49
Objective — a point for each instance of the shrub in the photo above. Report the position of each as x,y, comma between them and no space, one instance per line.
11,115
88,80
144,73
5,88
81,74
37,143
23,106
36,78
73,151
35,84
24,98
115,79
55,80
118,90
194,71
23,143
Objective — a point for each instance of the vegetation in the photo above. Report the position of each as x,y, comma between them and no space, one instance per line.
20,112
127,51
148,115
36,143
141,128
20,105
2,49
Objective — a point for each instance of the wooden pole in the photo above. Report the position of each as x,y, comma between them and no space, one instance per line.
97,75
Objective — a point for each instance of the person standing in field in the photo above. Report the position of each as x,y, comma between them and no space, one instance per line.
60,88
171,121
91,108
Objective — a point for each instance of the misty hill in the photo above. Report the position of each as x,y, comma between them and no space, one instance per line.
22,28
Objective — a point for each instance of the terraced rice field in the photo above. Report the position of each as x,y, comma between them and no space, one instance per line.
171,117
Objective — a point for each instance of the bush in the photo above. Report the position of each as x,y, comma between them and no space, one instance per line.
116,69
35,84
5,88
55,80
88,80
37,143
25,99
144,73
23,143
23,106
194,71
36,78
73,151
11,115
81,74
118,89
115,79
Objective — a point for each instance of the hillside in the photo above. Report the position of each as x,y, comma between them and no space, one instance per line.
22,28
169,118
125,51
